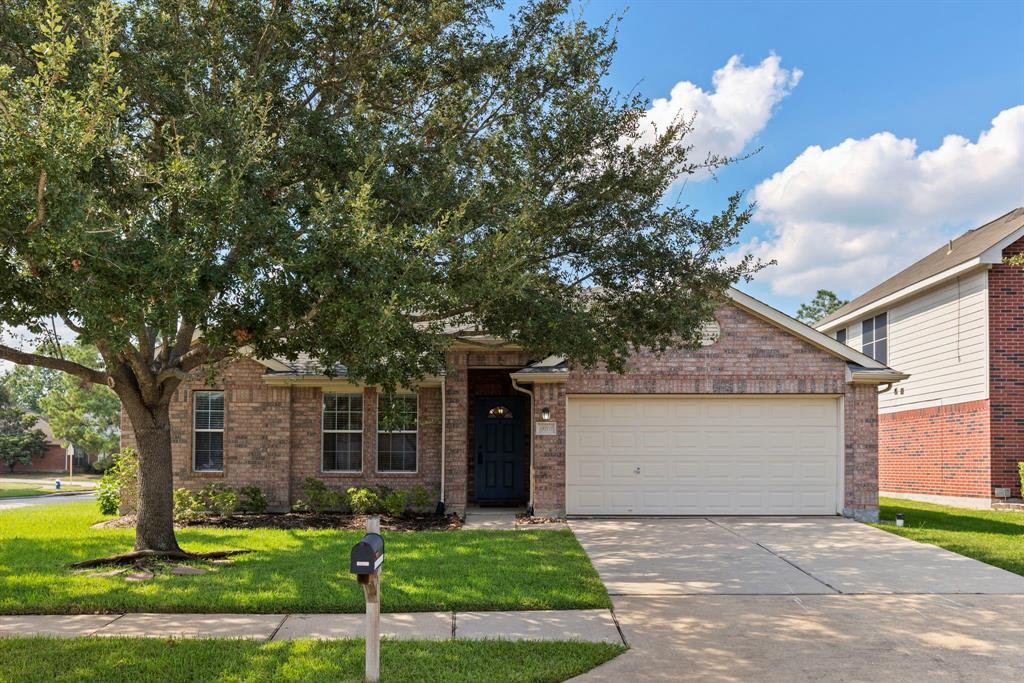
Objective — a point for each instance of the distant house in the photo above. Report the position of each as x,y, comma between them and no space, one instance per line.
57,457
954,431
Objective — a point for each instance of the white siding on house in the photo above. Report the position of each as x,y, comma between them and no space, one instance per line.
940,337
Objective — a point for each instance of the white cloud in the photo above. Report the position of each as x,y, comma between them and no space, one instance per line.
739,107
849,216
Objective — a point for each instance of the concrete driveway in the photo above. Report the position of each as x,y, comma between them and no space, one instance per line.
800,599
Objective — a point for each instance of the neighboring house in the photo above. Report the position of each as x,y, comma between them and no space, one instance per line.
769,417
54,460
954,432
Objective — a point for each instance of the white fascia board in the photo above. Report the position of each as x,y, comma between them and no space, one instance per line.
540,377
875,377
896,297
798,329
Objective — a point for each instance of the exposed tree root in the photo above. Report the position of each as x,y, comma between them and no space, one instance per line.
138,556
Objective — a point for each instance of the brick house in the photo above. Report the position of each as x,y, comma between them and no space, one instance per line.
54,459
954,432
769,417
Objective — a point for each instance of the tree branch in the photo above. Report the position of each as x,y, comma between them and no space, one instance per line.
25,358
40,204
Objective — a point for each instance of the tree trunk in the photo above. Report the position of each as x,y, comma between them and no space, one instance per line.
155,523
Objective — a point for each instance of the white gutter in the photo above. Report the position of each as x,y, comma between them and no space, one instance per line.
444,409
515,385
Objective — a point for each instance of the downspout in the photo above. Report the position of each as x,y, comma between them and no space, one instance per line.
515,385
444,410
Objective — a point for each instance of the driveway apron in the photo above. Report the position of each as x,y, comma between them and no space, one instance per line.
800,599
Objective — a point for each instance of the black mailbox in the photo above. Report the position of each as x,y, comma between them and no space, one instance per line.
367,555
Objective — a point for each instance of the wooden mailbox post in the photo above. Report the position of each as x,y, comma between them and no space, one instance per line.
367,558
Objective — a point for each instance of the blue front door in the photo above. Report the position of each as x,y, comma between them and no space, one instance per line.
498,449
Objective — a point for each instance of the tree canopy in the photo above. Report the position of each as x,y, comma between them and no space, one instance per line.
184,182
20,441
824,303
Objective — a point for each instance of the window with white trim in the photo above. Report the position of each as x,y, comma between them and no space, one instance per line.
875,337
208,431
396,433
841,336
342,433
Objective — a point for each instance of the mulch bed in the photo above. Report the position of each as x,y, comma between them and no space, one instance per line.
523,518
305,520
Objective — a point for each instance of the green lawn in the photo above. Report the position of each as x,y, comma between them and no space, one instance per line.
114,660
292,571
994,537
20,492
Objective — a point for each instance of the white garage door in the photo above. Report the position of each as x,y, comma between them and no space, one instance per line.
702,456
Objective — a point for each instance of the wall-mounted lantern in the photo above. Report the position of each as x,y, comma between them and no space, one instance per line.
545,413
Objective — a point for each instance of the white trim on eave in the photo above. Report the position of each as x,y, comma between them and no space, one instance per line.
798,329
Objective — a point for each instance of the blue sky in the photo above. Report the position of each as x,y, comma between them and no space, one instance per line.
920,71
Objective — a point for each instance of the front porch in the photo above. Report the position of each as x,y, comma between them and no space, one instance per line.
493,456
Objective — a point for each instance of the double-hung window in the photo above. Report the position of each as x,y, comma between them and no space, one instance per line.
343,433
875,337
208,431
396,433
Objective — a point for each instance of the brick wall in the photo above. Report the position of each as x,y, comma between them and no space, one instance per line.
53,460
549,452
272,437
940,451
1006,369
306,445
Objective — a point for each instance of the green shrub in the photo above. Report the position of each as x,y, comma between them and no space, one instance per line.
1020,468
187,505
218,499
363,501
320,498
422,500
102,464
394,503
118,488
252,500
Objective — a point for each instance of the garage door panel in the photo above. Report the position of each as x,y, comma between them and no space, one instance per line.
685,455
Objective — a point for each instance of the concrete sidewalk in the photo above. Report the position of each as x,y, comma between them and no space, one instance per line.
595,625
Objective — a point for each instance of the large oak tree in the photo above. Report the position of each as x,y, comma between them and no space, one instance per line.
182,182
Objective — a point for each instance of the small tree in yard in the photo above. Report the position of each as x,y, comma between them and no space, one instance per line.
19,441
181,183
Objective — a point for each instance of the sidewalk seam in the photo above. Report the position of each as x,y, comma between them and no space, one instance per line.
274,633
95,631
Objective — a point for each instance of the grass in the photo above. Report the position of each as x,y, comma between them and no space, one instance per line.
10,492
20,490
992,536
291,571
125,660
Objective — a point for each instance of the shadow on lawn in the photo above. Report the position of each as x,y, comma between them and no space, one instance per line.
978,521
